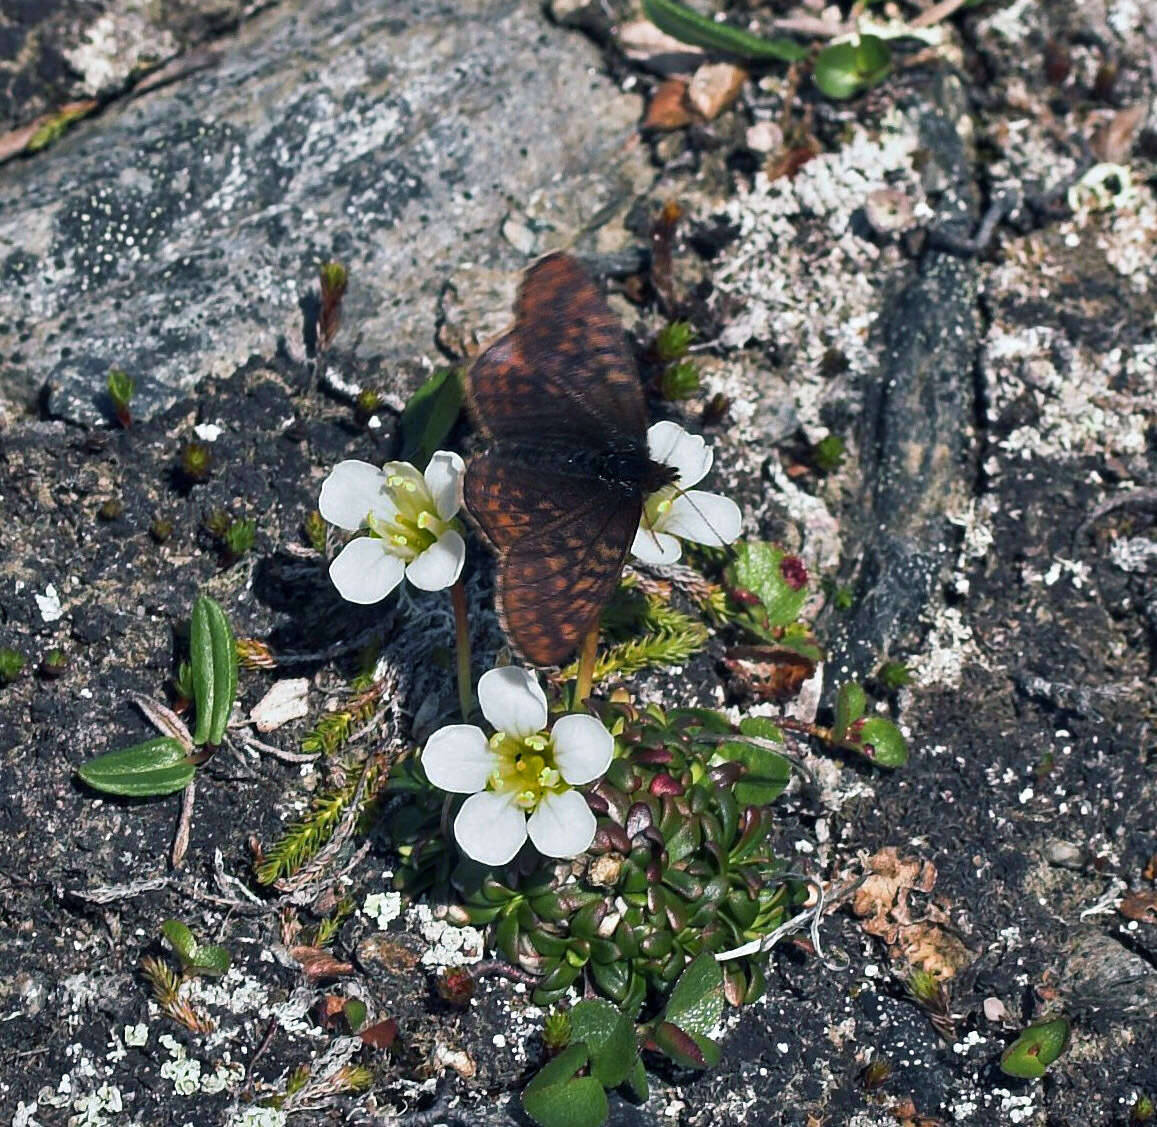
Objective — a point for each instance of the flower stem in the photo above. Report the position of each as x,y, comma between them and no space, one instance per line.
586,668
462,646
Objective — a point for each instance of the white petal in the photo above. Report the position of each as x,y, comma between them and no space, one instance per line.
352,491
582,748
490,828
652,547
443,478
364,572
458,758
512,700
562,825
704,518
670,444
440,564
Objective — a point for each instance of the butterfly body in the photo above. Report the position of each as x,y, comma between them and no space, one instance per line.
560,491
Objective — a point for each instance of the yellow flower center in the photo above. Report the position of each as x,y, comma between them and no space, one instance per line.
526,769
658,505
416,526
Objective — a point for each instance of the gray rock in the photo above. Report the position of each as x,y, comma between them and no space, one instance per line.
57,51
179,235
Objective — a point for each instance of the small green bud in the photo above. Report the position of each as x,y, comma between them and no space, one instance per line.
1142,1110
333,279
112,509
120,390
680,381
239,538
876,1074
11,665
183,682
315,529
297,1080
217,523
674,340
196,462
556,1031
894,675
160,530
925,988
53,665
367,404
828,454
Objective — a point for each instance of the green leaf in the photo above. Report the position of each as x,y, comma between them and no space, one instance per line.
213,656
689,26
767,773
557,1097
355,1014
881,742
696,1003
181,940
610,1037
850,705
194,958
691,1050
144,770
635,1087
845,69
1030,1055
430,416
760,568
212,960
762,728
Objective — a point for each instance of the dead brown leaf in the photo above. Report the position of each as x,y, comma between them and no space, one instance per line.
318,963
1140,906
883,903
1112,140
773,673
380,1035
668,107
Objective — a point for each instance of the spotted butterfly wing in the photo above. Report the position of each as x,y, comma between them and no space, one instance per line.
560,492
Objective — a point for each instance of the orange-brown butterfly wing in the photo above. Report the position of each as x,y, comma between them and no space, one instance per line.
562,541
564,373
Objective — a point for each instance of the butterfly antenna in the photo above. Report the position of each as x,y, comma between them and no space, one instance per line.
722,544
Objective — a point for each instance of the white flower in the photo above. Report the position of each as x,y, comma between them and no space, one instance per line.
520,780
677,511
411,521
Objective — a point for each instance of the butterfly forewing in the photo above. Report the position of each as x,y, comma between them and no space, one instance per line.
564,369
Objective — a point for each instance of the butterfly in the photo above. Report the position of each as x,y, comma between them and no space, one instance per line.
560,490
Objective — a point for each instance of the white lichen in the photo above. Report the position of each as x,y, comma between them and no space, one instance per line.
383,907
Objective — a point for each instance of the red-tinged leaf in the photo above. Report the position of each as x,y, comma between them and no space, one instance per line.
380,1035
686,1049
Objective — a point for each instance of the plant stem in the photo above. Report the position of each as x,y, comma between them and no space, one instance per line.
462,647
586,668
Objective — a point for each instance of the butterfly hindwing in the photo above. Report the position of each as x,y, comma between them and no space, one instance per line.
562,540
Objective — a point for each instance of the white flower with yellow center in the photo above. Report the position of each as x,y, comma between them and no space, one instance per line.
410,517
677,511
519,780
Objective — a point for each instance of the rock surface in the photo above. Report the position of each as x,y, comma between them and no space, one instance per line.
179,234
